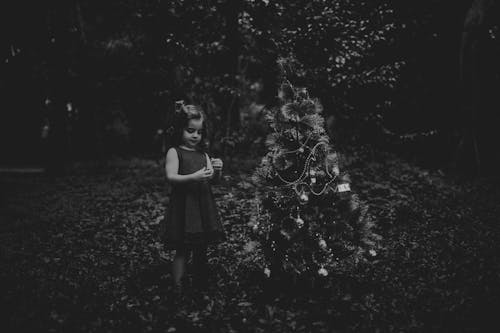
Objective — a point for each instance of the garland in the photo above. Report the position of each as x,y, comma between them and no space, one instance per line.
300,180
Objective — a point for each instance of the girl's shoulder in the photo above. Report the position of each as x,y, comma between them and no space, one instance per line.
172,150
173,153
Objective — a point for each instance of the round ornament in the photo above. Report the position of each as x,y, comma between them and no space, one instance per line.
304,197
299,221
322,271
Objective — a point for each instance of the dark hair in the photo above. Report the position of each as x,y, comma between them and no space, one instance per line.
182,115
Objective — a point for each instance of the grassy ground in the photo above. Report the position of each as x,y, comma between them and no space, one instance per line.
80,253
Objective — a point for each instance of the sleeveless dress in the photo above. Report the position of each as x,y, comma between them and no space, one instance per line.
191,219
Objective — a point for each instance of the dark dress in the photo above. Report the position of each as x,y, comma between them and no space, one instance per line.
192,219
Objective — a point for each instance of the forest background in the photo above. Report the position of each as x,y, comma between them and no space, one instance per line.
89,80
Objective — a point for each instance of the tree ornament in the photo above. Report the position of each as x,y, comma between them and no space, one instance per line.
267,272
304,197
372,252
322,244
312,173
322,271
343,187
299,221
301,150
255,227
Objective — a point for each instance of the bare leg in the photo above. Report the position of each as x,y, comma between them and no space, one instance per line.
179,265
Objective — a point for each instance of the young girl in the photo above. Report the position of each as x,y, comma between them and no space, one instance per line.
191,221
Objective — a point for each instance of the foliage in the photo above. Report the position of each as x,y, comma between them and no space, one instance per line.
79,253
132,60
342,48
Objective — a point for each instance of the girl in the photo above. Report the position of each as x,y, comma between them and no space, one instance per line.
192,220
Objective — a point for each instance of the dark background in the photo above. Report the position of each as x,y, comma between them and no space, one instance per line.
388,74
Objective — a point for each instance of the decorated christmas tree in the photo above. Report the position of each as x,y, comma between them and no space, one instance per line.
309,221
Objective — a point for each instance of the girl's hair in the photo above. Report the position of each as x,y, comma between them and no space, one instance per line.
182,115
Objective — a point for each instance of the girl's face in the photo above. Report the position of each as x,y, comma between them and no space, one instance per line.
191,135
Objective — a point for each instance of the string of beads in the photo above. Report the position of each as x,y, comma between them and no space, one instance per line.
299,182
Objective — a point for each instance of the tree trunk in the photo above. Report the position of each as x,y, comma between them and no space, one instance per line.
231,12
468,153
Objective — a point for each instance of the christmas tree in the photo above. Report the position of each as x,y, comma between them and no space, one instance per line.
310,220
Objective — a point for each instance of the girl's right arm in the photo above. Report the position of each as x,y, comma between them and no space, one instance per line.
172,170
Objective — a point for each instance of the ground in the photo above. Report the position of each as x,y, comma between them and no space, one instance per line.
80,253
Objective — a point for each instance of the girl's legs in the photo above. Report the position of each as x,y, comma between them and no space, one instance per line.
200,263
179,265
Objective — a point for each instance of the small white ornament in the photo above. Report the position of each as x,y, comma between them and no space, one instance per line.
343,187
322,244
255,227
313,180
372,252
304,197
322,271
336,170
299,221
312,172
301,149
267,272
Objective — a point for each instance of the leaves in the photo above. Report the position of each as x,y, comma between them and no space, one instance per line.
86,257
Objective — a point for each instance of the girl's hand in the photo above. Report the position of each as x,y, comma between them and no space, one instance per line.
203,174
217,164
